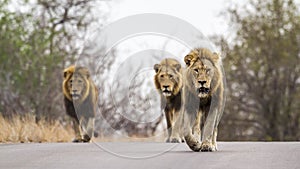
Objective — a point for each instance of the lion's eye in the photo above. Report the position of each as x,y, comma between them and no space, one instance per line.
208,71
196,70
71,81
171,76
79,81
162,76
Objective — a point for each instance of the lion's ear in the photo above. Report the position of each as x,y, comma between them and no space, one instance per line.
156,67
83,71
87,73
188,60
216,57
177,67
66,72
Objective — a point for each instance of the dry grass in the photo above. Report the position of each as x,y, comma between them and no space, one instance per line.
22,129
25,129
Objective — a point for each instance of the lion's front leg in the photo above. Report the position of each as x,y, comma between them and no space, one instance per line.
89,129
214,142
87,126
196,127
219,107
176,135
190,139
209,135
210,145
76,128
168,115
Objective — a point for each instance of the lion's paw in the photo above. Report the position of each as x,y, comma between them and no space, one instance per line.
77,140
182,140
207,147
86,138
168,140
195,146
193,143
175,140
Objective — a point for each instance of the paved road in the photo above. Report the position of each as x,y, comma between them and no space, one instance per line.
145,155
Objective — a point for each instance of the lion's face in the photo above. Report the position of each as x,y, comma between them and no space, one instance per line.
201,71
168,79
76,86
76,83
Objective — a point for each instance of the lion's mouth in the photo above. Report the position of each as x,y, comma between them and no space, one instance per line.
75,96
166,93
203,90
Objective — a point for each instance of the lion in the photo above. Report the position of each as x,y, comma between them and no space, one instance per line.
80,98
203,99
168,82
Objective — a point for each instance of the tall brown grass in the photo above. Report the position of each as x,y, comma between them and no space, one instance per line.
22,129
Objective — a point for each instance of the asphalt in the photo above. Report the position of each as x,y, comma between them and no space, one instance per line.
146,155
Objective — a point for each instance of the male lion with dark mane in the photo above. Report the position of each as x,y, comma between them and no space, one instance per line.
203,99
80,98
168,82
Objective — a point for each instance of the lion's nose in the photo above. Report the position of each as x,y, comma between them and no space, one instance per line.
201,82
165,86
74,91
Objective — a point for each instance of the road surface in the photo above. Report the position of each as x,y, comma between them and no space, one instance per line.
146,155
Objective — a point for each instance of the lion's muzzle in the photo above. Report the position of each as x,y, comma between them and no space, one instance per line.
75,95
203,90
166,91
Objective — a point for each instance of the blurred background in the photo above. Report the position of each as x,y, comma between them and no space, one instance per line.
259,41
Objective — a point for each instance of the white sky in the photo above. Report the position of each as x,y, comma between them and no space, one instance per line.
203,15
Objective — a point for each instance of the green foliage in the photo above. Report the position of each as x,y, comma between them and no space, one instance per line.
263,71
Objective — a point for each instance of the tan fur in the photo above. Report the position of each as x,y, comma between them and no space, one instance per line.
203,99
80,97
168,82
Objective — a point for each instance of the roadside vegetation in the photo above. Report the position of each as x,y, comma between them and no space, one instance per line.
25,129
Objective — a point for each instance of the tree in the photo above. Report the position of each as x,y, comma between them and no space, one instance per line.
38,39
262,68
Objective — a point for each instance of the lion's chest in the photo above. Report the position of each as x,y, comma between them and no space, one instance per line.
204,103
